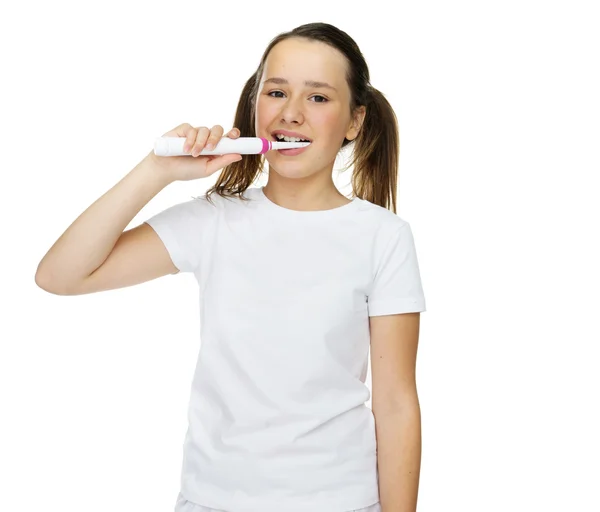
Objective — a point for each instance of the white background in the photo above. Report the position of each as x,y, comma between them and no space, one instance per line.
498,106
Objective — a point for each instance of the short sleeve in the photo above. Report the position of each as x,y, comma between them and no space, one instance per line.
181,228
397,286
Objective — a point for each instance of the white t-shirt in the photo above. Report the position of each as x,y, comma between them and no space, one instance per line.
277,414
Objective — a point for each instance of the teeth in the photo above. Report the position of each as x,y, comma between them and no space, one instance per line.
289,139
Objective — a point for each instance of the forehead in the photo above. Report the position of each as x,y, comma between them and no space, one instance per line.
298,59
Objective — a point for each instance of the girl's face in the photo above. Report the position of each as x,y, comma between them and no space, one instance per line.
303,93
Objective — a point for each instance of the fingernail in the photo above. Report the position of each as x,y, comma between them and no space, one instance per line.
209,146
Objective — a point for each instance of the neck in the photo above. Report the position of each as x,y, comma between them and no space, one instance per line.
295,194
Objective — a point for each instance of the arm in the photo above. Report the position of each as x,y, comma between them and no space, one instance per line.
394,340
91,238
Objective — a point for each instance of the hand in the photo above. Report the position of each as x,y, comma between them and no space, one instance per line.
184,168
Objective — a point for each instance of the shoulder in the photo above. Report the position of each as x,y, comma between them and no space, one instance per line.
228,202
385,221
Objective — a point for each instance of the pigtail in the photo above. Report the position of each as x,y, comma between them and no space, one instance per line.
236,177
376,152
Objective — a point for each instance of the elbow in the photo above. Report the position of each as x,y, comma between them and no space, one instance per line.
44,283
408,404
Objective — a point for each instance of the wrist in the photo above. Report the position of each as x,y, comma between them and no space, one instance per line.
152,166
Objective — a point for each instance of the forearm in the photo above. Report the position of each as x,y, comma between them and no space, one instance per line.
88,241
399,458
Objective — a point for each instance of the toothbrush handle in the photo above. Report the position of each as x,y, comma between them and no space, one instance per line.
173,146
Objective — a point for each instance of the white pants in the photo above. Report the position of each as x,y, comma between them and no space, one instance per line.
184,505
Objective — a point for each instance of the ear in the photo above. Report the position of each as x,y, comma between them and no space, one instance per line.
356,123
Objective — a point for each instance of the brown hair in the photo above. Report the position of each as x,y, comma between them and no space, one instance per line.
376,148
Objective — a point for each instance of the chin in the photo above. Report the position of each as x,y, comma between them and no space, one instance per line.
289,169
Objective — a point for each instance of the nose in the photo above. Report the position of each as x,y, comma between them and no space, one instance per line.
291,111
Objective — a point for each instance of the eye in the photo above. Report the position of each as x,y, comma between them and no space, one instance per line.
275,92
322,100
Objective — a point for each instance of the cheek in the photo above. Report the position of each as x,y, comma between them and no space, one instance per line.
265,113
329,122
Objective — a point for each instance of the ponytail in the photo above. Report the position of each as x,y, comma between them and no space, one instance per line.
236,177
376,152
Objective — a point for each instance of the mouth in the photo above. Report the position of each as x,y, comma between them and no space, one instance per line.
285,136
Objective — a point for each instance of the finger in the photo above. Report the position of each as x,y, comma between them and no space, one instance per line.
203,133
234,133
221,161
190,138
178,131
216,132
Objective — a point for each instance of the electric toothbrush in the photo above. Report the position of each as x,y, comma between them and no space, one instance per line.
173,146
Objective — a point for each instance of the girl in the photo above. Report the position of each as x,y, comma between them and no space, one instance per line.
296,283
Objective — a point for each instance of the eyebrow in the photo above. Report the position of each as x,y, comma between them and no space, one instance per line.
308,83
